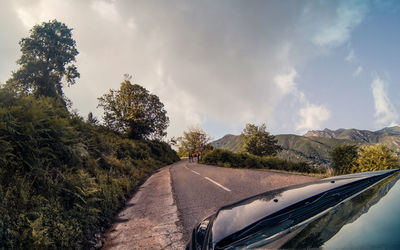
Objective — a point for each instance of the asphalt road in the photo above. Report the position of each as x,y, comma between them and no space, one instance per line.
199,190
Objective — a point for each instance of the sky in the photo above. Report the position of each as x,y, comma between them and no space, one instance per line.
294,65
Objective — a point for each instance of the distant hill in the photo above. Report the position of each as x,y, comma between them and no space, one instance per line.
314,146
389,136
229,142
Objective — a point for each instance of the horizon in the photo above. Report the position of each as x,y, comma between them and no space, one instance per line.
333,130
296,66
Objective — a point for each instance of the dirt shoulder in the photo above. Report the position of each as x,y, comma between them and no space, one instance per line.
150,219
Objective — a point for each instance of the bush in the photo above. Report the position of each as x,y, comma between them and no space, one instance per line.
348,159
344,158
225,158
376,157
62,179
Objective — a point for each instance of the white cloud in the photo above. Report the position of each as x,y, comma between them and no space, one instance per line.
26,18
358,71
285,82
311,117
385,112
336,31
351,56
106,10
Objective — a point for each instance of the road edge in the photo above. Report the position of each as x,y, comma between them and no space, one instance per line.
150,219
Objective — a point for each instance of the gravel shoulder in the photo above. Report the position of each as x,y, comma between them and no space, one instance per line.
150,219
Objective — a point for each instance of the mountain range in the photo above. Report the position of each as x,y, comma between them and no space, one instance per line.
314,146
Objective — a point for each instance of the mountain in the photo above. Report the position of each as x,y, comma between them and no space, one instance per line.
229,142
350,134
389,136
314,146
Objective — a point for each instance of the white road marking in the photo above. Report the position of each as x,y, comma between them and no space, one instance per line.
219,185
209,179
195,172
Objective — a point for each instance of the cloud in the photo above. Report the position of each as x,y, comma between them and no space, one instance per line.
335,31
310,116
385,112
206,60
358,71
106,10
286,83
351,56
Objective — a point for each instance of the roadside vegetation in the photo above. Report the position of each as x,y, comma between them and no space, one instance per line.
348,159
257,141
226,158
258,151
63,177
193,140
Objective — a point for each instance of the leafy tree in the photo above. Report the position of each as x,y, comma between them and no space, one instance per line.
46,61
257,141
344,158
134,111
376,157
193,140
91,119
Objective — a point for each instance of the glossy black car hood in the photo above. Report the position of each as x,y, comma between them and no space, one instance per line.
281,209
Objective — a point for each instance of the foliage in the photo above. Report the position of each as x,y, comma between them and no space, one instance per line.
91,119
62,179
193,140
47,59
314,150
351,159
257,141
344,158
376,157
226,158
134,111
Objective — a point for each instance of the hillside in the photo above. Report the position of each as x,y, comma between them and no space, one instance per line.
314,146
62,178
230,142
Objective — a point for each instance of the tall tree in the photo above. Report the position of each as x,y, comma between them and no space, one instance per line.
257,141
344,158
193,140
134,111
46,61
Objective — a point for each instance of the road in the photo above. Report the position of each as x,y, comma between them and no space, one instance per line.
199,190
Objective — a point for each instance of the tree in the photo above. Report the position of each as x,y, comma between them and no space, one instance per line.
257,141
376,157
91,119
46,61
344,158
134,111
193,140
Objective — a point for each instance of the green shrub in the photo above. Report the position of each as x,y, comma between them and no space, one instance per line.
375,157
348,159
62,179
225,158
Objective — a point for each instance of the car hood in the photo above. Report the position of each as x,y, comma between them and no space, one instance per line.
268,214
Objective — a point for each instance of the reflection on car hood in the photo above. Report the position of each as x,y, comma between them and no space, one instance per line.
369,220
284,208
